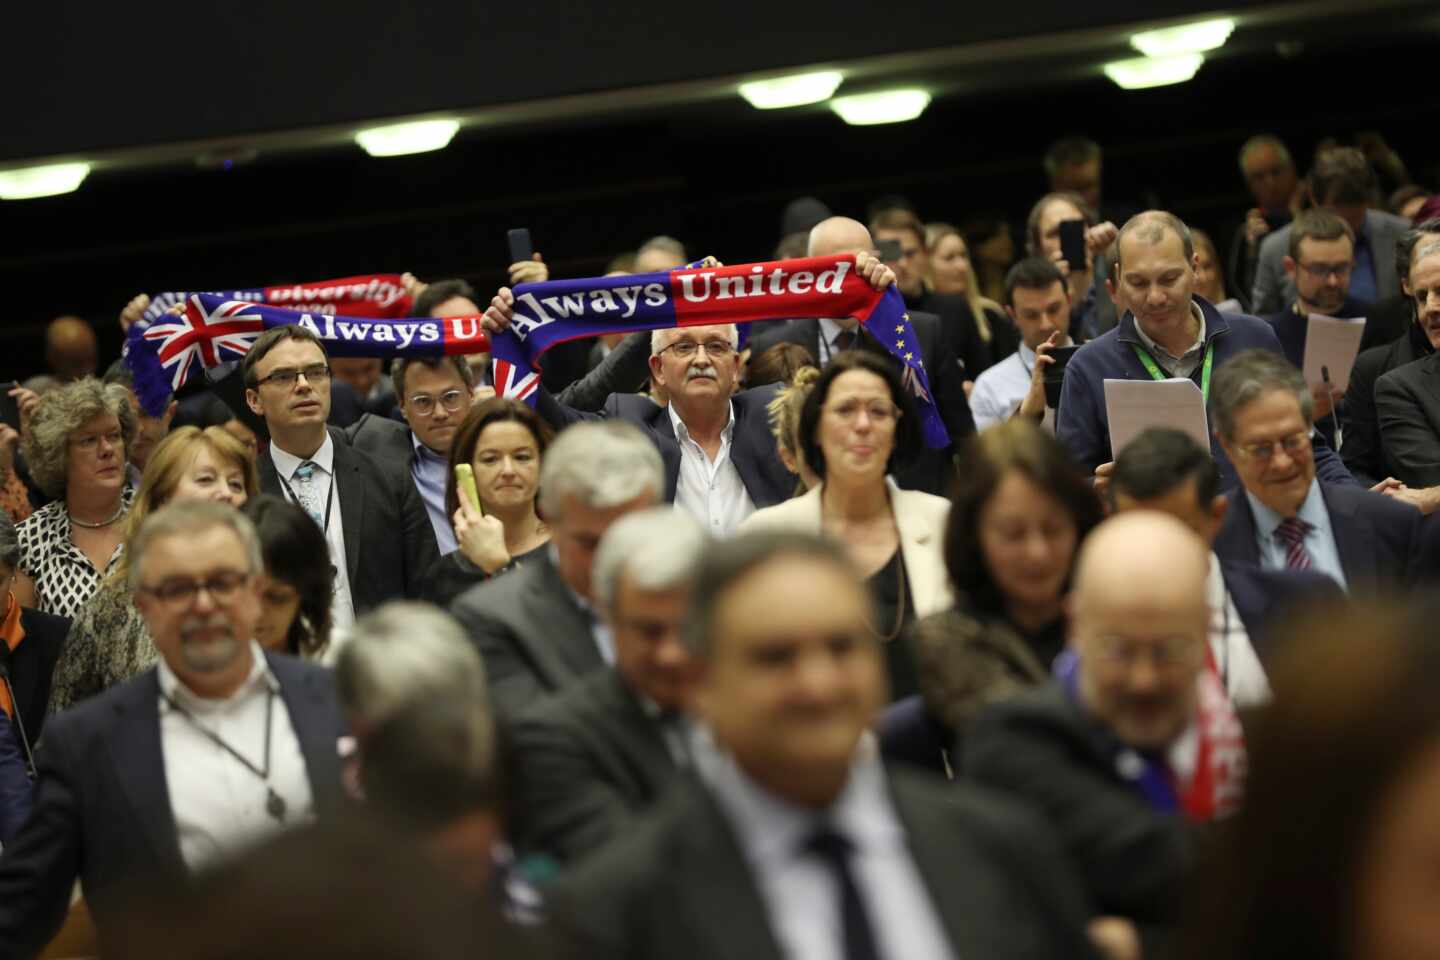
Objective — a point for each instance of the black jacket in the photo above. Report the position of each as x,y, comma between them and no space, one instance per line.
1363,451
1407,410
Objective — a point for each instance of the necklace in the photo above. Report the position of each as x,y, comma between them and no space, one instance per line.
899,604
274,803
119,512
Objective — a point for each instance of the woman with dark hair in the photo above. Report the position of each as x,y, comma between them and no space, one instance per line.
1019,512
1333,854
502,441
778,364
857,424
298,587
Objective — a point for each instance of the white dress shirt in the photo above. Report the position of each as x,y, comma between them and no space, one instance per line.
1235,658
829,330
711,491
342,609
801,893
219,805
1000,389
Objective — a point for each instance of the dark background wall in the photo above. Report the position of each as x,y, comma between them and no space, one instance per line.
716,175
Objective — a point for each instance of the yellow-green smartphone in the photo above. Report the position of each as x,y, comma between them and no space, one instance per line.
465,482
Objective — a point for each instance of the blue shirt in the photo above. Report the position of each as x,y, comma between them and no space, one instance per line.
1319,542
1362,275
429,470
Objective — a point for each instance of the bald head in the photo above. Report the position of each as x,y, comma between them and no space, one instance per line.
837,235
70,348
1139,623
1153,227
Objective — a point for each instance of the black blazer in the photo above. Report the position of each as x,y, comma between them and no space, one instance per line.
678,885
1378,538
931,470
587,759
1363,451
1265,599
32,666
1407,410
387,441
530,632
1039,747
382,512
102,807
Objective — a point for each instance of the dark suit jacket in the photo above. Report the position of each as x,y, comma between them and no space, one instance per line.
679,886
383,514
102,806
932,471
1407,410
1378,538
587,760
1264,599
1040,747
386,441
532,635
32,666
1363,451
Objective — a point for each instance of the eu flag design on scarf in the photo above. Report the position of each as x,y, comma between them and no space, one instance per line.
550,313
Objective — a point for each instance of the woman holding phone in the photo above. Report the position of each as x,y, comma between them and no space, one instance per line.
499,444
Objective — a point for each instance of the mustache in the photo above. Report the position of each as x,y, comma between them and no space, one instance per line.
706,371
197,625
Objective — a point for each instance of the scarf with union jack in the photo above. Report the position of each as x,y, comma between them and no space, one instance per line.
550,313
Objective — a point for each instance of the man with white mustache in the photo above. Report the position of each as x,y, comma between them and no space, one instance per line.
216,748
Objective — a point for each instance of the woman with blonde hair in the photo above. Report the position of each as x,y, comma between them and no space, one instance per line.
108,641
784,413
951,273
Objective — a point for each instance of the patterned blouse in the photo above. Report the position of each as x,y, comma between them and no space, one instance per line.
64,577
107,644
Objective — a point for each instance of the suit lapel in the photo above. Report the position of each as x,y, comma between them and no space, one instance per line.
1358,550
140,766
669,447
312,718
350,488
1236,540
936,849
640,743
927,579
561,643
269,478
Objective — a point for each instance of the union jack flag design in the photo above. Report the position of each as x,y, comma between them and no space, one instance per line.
206,337
515,382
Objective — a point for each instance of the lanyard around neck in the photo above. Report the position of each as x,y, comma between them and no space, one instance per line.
1154,368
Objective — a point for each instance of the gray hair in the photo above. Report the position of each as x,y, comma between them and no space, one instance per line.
1248,376
1426,249
655,549
61,412
660,339
1409,240
602,465
728,561
1150,227
662,242
9,542
188,518
1259,141
403,653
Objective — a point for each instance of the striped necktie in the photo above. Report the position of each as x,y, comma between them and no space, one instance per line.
1291,533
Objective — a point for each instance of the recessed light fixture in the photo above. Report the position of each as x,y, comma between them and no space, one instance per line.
1186,38
1144,72
398,139
887,106
793,91
28,183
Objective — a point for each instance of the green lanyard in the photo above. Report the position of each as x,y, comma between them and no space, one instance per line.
1159,374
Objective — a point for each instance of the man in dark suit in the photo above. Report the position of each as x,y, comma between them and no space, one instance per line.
591,757
1135,738
536,627
1283,517
190,763
933,470
1407,403
794,840
353,499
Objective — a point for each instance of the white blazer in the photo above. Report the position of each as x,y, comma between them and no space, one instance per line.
920,518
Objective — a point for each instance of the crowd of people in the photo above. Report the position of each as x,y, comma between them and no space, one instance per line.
705,652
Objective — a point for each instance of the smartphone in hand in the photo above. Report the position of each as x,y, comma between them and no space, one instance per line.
520,246
889,250
465,485
1072,244
1055,372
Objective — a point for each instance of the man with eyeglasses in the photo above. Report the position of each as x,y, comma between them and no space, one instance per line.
1285,517
1134,742
435,394
380,538
217,748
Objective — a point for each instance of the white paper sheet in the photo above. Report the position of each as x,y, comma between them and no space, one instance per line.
1332,344
1135,406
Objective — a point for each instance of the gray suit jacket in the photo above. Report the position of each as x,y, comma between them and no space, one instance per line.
1274,291
587,760
678,885
533,636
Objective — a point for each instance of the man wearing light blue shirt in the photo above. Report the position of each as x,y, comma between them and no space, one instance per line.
1039,303
1261,410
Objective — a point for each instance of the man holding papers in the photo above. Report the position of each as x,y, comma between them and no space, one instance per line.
1166,331
1285,518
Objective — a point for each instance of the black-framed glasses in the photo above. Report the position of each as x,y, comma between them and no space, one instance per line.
714,349
287,377
452,400
223,588
1263,451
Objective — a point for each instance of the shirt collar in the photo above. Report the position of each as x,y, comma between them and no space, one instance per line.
1151,345
585,605
830,329
286,462
260,678
682,432
1311,510
424,452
